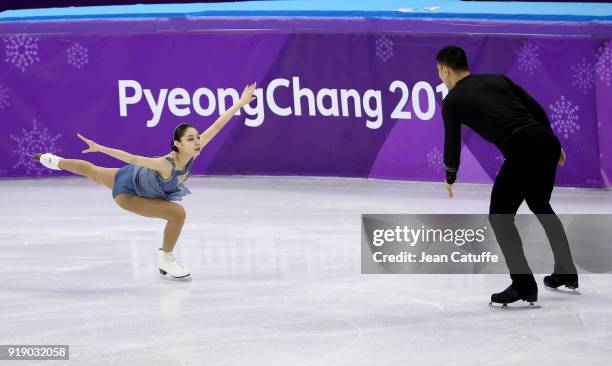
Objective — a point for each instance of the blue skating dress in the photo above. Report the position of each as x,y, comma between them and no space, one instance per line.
145,182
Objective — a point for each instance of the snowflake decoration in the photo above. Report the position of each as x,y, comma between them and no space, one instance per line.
528,58
435,160
4,97
77,55
33,142
603,66
21,50
564,117
584,75
384,48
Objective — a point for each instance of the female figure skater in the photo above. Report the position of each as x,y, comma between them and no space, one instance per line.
147,186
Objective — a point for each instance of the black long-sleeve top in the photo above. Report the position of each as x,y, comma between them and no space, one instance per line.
491,105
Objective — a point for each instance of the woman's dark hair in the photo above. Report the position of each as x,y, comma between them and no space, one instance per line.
179,132
453,57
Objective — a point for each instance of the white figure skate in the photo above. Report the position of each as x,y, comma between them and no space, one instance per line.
48,160
170,267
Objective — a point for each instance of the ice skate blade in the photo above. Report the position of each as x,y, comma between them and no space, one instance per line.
165,275
529,306
565,290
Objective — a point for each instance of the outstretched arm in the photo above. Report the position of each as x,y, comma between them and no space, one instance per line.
245,98
452,146
160,164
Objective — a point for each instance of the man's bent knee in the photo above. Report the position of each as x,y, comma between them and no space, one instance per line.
540,207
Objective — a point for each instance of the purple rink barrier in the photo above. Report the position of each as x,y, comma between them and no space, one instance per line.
352,103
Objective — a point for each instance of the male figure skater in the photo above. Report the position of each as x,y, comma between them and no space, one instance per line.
504,114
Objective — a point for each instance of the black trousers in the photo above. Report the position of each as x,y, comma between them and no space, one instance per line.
528,174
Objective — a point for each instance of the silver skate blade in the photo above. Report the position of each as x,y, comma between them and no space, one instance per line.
564,290
166,276
177,279
529,306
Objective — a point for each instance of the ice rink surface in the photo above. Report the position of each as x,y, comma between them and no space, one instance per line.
276,281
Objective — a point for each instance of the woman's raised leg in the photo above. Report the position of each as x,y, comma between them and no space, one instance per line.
100,175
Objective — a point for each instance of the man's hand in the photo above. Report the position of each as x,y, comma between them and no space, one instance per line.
562,157
449,189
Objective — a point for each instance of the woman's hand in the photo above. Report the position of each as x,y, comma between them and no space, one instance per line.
91,146
247,94
211,132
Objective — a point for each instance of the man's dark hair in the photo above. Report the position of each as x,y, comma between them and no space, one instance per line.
453,57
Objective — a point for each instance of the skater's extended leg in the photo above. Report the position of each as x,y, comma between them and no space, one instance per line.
104,176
